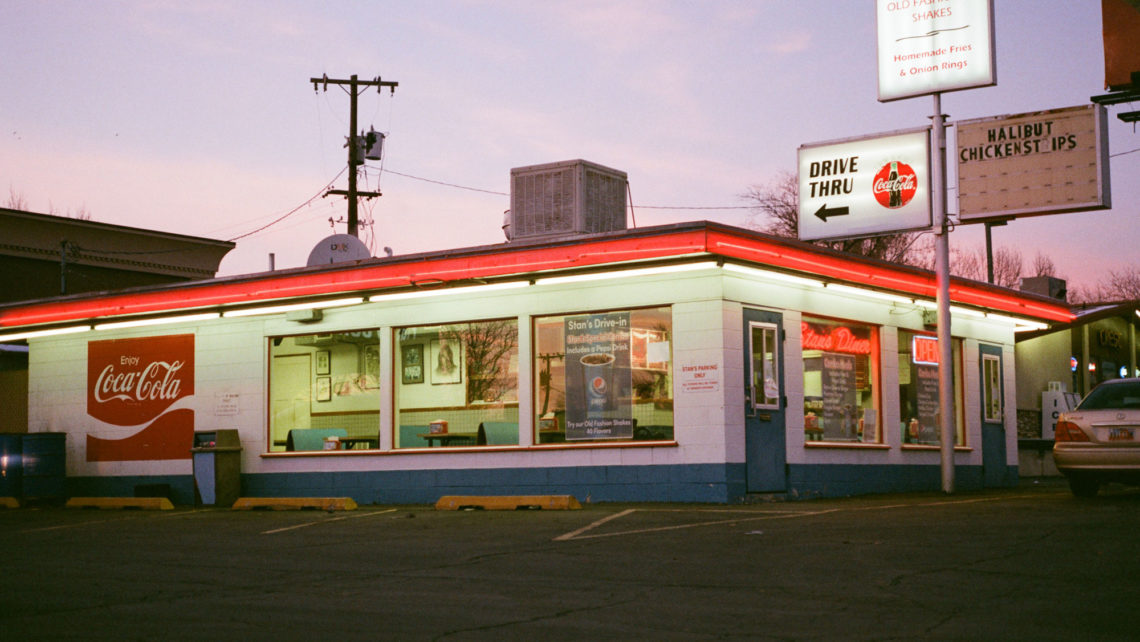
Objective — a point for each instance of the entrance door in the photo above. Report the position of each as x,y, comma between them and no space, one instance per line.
765,443
994,468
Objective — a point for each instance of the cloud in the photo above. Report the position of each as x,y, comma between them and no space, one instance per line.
790,43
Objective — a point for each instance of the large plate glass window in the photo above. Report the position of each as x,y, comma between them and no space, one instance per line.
920,419
841,373
324,391
457,384
604,376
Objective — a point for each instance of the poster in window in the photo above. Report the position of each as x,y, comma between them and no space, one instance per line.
648,349
412,363
324,388
446,362
370,367
599,381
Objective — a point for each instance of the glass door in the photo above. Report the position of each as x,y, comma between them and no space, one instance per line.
765,441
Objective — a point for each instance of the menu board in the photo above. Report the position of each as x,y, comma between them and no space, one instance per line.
926,398
837,379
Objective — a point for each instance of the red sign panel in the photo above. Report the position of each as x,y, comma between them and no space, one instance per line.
131,382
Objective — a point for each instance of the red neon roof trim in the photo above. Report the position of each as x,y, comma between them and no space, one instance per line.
617,249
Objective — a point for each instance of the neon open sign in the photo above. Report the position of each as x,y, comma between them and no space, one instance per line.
924,350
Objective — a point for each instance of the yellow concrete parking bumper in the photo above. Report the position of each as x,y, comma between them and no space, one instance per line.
295,503
507,502
119,503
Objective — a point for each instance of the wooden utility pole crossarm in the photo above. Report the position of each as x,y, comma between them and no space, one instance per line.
355,86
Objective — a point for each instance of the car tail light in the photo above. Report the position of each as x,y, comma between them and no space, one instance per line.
1069,431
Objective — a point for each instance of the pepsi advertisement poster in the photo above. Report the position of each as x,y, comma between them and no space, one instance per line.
599,383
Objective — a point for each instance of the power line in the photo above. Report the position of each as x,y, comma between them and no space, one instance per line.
294,210
428,180
487,191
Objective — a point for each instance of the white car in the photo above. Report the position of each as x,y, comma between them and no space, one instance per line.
1099,441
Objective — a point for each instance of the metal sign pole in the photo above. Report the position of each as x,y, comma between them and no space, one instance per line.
942,278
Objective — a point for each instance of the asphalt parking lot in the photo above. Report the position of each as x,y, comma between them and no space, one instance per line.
1031,562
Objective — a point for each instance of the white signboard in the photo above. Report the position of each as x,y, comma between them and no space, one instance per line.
226,404
865,187
703,377
1044,162
929,46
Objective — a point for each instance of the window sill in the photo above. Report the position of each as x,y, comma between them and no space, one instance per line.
467,449
845,445
935,448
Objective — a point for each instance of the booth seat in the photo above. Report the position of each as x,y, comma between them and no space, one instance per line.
311,438
498,433
410,435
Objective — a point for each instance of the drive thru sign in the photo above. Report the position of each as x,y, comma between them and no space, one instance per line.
865,186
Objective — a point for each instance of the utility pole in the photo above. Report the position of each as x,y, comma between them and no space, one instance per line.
355,158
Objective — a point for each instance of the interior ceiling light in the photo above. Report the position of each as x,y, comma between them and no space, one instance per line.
310,305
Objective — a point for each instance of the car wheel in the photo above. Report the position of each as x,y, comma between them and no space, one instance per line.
1084,486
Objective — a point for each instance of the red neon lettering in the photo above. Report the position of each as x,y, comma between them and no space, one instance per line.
926,350
839,339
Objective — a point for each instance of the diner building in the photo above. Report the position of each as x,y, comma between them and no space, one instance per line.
692,362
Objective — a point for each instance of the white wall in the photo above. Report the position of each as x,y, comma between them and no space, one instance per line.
232,358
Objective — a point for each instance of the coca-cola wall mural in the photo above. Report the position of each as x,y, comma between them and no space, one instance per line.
134,383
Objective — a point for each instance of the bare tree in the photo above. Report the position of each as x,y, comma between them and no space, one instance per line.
1119,285
16,200
775,210
1043,265
972,264
487,349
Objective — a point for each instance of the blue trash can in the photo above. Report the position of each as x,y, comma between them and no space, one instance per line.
11,469
45,466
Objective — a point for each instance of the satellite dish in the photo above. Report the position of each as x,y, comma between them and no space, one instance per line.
338,248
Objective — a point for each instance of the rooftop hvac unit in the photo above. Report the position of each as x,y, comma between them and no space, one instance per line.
559,200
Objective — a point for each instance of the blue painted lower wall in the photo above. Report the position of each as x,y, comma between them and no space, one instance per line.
841,480
704,483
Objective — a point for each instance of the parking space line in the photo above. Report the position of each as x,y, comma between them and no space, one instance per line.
768,515
573,534
44,529
780,514
326,521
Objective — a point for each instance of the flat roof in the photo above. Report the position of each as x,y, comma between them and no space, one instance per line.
658,245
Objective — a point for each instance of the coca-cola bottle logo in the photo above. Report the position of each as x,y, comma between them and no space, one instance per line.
895,185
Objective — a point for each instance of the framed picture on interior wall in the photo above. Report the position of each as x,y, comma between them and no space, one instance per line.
323,365
370,367
412,363
324,388
446,358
